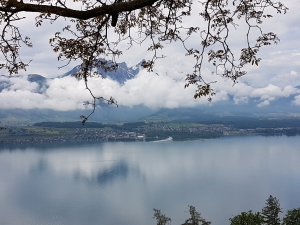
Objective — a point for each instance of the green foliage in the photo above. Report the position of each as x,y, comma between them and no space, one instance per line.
132,125
269,216
69,125
247,218
271,211
292,217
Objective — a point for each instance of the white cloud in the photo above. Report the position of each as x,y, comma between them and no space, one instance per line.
264,103
149,89
293,73
21,83
296,100
272,91
240,99
275,77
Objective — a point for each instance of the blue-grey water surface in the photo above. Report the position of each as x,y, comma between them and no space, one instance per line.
121,183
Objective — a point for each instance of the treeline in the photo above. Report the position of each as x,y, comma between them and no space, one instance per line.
76,124
287,132
238,122
252,123
268,216
244,122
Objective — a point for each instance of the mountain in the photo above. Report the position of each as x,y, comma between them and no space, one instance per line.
120,75
40,80
107,113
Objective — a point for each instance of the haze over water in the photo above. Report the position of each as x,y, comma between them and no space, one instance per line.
121,183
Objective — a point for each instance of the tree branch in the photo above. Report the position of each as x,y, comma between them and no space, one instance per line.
14,6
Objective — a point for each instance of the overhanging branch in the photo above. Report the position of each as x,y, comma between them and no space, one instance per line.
14,6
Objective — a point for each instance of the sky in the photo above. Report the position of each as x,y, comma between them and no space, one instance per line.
276,76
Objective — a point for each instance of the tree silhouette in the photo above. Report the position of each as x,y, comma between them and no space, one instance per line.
292,217
195,218
247,218
161,219
271,211
269,216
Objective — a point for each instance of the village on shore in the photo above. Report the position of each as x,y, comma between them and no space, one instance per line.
131,132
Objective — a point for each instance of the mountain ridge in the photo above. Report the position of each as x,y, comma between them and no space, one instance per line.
121,74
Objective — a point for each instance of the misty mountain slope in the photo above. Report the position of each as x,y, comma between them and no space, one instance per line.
108,114
40,80
200,116
4,82
8,82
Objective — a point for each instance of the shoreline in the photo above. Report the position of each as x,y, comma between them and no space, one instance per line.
42,141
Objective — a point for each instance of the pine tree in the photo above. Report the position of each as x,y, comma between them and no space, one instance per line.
196,218
161,219
271,211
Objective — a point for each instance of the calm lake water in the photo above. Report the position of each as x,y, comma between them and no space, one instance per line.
121,183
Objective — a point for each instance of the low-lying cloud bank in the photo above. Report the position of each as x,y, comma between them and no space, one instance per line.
149,89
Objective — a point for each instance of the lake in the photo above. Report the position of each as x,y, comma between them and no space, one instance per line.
120,183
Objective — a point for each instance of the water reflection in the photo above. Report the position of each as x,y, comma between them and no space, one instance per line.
40,167
118,171
120,183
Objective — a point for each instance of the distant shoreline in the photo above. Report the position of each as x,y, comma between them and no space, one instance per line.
25,143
